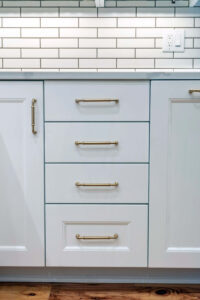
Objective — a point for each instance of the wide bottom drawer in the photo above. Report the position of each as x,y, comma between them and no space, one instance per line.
96,235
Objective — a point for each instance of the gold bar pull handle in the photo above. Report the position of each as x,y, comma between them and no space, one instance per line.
79,184
33,116
77,143
96,100
193,91
96,237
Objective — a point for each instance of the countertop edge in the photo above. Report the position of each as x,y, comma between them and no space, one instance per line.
99,76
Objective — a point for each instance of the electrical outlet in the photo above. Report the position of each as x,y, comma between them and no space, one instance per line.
173,41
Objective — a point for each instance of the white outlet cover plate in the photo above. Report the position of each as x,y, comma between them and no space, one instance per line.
173,40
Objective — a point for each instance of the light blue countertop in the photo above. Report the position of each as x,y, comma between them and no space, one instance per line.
98,76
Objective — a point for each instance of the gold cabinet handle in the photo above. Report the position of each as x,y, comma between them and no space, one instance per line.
33,116
97,184
96,100
193,91
77,143
96,237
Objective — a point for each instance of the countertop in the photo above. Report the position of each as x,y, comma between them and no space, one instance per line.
98,76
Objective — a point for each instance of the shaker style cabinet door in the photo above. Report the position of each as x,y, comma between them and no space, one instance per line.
175,175
21,174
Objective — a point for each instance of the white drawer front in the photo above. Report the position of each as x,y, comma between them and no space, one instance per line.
132,141
81,183
65,222
132,105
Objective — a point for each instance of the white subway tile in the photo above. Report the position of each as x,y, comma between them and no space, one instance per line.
196,63
188,12
110,3
150,32
154,70
21,22
59,63
77,53
155,12
59,22
97,63
9,32
168,3
80,12
116,53
116,12
60,3
97,43
59,43
175,22
152,53
132,3
196,43
78,70
192,32
135,43
173,63
39,32
21,3
188,53
117,70
197,22
40,70
78,32
1,42
21,63
9,53
97,22
21,43
39,53
116,32
9,12
186,70
39,12
1,64
136,22
135,63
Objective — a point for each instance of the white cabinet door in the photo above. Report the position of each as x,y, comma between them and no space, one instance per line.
21,175
175,175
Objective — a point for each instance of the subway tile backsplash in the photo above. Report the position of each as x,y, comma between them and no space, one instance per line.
70,36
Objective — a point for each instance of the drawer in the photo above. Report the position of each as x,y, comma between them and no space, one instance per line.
96,235
96,183
92,101
129,142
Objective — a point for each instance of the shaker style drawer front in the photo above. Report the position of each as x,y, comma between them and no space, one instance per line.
97,142
97,101
96,235
96,183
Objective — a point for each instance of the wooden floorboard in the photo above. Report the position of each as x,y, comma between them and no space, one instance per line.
73,291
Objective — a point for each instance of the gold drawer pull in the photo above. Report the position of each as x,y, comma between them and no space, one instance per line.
33,116
77,143
97,184
96,100
114,237
193,91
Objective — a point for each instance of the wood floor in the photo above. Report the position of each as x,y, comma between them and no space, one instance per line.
73,291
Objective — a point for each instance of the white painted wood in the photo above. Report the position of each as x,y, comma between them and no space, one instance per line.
21,176
65,221
175,175
60,102
132,183
132,138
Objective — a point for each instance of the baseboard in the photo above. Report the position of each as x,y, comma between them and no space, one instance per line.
101,275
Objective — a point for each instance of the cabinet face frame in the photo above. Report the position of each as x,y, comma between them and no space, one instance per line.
22,174
174,240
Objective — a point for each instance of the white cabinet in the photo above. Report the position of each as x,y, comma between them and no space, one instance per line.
175,175
21,175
